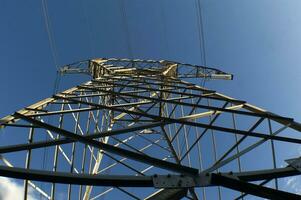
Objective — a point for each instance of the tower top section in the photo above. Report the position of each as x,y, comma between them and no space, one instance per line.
102,66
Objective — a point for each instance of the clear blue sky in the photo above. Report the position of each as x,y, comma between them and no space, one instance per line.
259,41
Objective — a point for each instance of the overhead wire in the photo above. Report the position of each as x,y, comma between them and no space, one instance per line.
201,31
200,25
200,28
126,28
50,34
201,37
54,54
52,44
89,28
163,22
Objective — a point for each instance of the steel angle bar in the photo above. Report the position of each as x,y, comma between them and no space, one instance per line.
175,194
240,141
175,136
203,132
41,104
123,159
174,84
63,112
36,109
242,152
252,134
41,144
112,149
244,194
265,174
192,105
172,91
163,84
257,190
21,126
275,117
79,179
191,123
101,94
35,187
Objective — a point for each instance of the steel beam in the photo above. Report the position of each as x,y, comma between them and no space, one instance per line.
250,188
112,149
201,125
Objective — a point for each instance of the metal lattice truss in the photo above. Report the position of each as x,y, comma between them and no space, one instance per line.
137,129
98,67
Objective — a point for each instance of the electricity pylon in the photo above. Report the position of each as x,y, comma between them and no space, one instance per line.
139,130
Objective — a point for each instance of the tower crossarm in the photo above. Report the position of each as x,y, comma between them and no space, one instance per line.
100,66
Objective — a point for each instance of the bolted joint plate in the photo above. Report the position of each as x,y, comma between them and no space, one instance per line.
181,181
295,163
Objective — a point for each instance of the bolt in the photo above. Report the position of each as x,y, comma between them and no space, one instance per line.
180,183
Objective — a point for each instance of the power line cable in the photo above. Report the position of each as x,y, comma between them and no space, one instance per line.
127,33
89,28
52,44
201,31
49,33
203,49
164,26
54,54
201,37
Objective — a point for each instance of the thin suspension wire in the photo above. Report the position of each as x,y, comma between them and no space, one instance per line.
89,29
163,22
52,44
54,54
126,27
201,31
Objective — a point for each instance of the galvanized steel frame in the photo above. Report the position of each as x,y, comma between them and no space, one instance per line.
146,98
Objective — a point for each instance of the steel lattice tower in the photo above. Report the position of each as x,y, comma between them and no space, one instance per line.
139,130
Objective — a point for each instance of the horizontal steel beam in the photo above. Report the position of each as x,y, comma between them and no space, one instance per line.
11,119
191,123
62,112
109,148
147,181
266,115
265,174
42,144
79,179
250,188
172,91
